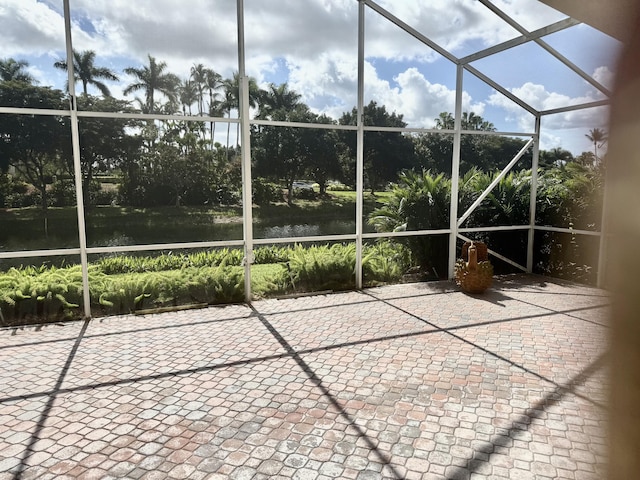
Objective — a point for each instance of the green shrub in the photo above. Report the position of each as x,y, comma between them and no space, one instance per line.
130,292
124,284
271,254
338,187
63,193
265,192
169,261
420,201
17,194
322,267
45,294
385,262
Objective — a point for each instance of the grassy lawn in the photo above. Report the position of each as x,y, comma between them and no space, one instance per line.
335,205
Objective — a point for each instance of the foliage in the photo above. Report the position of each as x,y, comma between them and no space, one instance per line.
271,254
570,195
169,261
51,294
85,71
40,293
283,153
265,192
15,70
130,292
385,261
385,153
33,144
323,267
125,284
419,201
150,79
434,151
176,163
16,194
598,137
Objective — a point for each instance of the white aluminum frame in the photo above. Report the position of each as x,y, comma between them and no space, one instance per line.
455,230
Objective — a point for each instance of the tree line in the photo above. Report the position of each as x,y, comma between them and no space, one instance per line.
174,162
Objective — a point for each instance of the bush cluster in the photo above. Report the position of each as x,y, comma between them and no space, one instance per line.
125,284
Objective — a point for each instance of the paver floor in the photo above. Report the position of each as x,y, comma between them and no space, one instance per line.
414,381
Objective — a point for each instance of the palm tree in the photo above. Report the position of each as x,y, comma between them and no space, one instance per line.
153,78
278,98
85,71
419,201
188,95
199,79
213,82
232,98
598,138
14,70
445,121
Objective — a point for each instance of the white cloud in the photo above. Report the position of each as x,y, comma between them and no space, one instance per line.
27,26
604,76
417,99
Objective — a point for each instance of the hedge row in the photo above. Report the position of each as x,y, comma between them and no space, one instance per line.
125,284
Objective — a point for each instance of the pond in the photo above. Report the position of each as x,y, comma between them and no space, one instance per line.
62,232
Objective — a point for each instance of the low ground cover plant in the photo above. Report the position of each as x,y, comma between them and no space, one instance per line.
128,284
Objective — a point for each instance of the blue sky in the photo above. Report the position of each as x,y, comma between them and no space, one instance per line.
312,45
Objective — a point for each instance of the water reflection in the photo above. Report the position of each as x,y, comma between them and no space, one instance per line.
282,231
110,234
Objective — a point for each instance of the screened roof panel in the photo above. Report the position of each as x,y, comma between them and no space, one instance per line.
537,77
596,53
461,27
405,75
529,14
504,113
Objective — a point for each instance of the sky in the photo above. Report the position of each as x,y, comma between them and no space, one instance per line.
312,45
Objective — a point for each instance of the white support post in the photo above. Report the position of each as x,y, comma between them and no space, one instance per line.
533,195
77,166
360,147
455,172
245,146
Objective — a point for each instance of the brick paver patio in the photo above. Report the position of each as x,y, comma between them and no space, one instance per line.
409,381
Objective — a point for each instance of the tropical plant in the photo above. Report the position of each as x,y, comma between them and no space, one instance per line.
555,157
282,153
419,201
506,204
277,98
86,72
213,82
598,137
570,195
323,267
188,93
385,262
151,79
231,100
15,70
